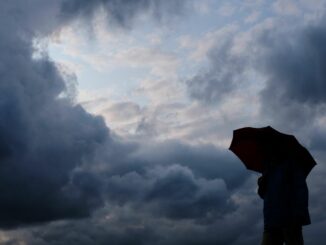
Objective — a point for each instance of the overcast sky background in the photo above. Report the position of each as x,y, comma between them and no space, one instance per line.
116,116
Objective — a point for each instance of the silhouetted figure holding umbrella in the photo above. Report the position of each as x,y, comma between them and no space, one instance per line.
284,164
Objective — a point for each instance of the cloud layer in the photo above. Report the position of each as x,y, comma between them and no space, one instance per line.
289,59
59,163
45,138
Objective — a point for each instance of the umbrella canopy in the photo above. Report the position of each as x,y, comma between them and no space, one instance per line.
255,145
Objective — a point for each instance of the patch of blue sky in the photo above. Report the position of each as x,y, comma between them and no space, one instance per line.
122,79
118,81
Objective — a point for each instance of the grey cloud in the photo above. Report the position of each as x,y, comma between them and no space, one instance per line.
318,139
60,162
177,183
123,111
47,143
122,12
290,59
205,161
294,62
171,191
43,139
36,17
177,194
127,224
224,73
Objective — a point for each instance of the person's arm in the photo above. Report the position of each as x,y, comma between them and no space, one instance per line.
299,195
262,184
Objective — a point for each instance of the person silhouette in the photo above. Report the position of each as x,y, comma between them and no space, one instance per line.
284,191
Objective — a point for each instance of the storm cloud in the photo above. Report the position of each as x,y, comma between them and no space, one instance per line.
51,148
289,61
122,12
45,137
224,72
294,64
63,168
176,180
166,203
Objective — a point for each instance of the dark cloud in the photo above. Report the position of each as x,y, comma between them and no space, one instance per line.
128,224
224,73
51,148
205,161
294,62
318,139
289,59
177,194
176,197
43,139
59,162
36,17
123,111
172,174
172,191
123,12
47,141
184,195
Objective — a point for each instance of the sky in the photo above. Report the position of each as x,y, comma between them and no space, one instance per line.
116,117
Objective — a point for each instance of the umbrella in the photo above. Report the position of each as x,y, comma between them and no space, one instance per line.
254,145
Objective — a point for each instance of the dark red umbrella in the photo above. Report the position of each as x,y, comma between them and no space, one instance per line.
254,145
